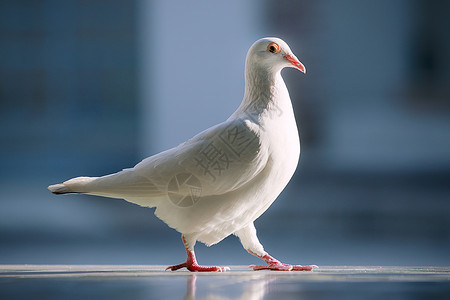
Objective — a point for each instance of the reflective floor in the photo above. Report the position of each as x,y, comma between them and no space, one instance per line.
152,282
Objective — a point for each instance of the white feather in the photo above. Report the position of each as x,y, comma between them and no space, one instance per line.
221,180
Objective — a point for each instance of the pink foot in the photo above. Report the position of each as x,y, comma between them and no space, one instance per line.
274,264
194,267
283,267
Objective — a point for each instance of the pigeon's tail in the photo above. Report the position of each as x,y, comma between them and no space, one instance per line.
126,184
72,186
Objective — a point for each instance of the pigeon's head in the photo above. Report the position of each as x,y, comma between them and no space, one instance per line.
273,54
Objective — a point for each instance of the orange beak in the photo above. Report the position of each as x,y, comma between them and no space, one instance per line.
296,63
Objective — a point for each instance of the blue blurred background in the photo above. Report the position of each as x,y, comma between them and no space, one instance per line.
92,87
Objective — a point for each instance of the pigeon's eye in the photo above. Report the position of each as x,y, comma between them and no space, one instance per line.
273,48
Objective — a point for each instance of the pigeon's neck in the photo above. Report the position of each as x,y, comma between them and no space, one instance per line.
264,90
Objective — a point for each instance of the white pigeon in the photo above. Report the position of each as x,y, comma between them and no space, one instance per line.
221,180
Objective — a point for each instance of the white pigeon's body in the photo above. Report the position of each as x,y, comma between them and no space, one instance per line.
224,178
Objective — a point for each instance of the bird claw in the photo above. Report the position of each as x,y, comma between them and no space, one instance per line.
198,268
278,266
176,267
304,268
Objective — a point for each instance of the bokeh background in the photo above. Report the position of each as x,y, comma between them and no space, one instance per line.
92,87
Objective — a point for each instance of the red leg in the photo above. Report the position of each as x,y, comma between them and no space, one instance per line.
276,265
192,265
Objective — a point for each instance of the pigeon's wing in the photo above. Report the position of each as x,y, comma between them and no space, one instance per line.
218,160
